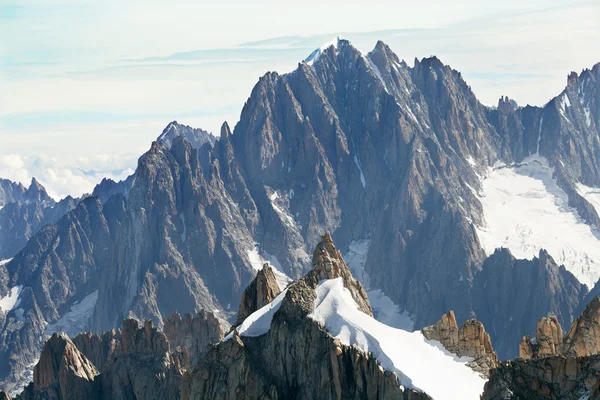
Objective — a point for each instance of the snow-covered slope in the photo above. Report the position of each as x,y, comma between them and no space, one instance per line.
76,320
418,363
525,211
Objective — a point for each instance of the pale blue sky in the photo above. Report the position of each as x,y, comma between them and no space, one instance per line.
85,86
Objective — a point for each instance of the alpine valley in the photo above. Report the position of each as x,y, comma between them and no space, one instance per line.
466,239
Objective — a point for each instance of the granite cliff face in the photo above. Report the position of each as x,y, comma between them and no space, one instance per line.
548,340
138,365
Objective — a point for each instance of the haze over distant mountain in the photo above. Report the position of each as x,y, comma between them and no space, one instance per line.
403,165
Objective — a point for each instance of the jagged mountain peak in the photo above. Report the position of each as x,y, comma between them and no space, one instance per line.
331,46
225,130
36,192
197,137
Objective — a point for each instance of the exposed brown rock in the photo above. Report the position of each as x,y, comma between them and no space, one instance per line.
548,339
194,332
444,331
583,338
261,291
470,340
552,378
63,372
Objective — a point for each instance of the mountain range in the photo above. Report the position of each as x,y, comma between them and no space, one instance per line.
436,202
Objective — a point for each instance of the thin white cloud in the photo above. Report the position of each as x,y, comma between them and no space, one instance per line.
84,80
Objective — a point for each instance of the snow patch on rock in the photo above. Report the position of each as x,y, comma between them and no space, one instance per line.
257,261
287,218
11,300
315,55
76,320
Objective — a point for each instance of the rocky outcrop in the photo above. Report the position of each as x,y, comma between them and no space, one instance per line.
556,378
261,291
470,340
548,340
194,332
62,373
583,338
139,365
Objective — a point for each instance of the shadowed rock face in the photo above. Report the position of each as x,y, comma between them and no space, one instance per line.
553,367
137,365
470,340
261,291
521,292
99,349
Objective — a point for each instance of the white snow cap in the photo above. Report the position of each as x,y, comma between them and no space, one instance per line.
314,56
417,362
